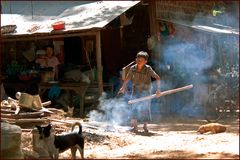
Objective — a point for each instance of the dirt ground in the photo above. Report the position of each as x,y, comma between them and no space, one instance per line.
173,137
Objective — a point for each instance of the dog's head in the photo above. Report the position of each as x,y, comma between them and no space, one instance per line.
201,129
45,131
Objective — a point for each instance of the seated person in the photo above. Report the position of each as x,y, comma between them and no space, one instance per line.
52,60
47,60
41,58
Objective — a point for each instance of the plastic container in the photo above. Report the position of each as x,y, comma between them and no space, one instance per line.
24,77
58,25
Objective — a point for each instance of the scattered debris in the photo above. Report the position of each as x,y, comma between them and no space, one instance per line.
8,29
25,110
34,28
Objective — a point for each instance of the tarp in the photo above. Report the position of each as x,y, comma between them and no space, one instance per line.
78,15
211,28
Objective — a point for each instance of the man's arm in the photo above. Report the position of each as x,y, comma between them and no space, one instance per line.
125,82
157,77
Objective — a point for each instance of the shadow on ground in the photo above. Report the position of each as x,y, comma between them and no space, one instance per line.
190,124
181,154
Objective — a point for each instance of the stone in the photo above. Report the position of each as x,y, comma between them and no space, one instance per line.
11,141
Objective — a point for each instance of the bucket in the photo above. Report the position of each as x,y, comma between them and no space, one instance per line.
30,101
26,100
58,25
37,102
47,76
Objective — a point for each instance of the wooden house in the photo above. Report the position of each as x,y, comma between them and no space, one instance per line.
88,32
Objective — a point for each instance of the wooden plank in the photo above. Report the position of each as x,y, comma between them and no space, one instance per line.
22,121
31,120
37,36
46,103
23,115
57,120
7,111
7,119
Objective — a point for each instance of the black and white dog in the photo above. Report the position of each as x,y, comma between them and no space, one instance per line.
56,144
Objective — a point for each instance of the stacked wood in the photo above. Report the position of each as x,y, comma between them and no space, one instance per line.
23,115
26,109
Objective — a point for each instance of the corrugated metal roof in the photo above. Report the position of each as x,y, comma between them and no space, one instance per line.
211,28
78,15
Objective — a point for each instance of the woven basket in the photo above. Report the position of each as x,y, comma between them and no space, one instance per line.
47,76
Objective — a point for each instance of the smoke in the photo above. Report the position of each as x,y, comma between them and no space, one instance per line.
187,58
112,110
186,63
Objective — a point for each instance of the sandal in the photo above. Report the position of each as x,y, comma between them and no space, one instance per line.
145,130
134,130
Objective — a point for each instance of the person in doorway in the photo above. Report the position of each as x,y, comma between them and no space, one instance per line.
52,60
41,59
140,74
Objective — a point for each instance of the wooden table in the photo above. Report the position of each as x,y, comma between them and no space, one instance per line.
79,88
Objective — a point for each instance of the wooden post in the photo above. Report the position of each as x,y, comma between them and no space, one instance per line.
99,62
152,18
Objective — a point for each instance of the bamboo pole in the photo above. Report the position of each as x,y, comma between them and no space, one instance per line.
162,94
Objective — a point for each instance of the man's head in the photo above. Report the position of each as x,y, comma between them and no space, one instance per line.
143,55
50,50
141,58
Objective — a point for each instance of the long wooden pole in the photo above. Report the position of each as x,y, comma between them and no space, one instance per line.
99,62
162,94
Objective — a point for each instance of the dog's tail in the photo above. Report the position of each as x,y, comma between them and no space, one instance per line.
79,126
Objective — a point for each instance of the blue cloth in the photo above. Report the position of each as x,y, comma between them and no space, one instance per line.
141,110
54,92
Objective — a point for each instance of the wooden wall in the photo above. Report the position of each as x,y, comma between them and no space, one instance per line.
183,10
121,44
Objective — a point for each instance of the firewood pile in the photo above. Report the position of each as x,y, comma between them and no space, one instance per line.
26,109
